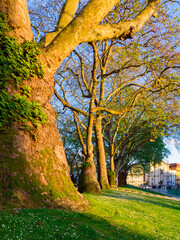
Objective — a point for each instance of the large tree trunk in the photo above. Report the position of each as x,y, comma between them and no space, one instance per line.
111,173
101,158
88,177
34,173
112,176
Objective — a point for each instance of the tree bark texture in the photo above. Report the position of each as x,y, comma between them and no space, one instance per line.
35,173
112,174
17,18
88,177
101,157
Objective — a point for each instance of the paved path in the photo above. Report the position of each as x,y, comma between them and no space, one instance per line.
170,197
164,191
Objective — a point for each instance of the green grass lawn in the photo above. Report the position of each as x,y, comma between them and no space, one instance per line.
112,215
145,190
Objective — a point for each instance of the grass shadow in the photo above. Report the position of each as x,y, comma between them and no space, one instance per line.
143,198
60,224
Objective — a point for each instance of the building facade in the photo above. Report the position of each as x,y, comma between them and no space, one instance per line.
174,174
136,176
158,175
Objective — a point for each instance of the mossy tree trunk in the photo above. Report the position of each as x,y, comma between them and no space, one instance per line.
111,139
112,169
88,177
101,157
35,173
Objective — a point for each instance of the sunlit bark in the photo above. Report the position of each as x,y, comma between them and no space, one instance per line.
101,157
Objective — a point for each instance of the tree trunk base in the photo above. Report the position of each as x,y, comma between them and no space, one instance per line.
112,182
24,199
104,184
35,178
87,183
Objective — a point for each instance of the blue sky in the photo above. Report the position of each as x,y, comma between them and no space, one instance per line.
174,157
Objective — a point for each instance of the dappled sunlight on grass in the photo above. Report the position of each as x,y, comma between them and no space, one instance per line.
144,198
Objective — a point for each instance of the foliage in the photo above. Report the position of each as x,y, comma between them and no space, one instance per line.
110,173
85,165
149,152
18,108
18,62
113,215
153,152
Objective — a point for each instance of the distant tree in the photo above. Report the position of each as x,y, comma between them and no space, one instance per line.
149,153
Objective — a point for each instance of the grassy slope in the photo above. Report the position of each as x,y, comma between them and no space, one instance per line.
112,215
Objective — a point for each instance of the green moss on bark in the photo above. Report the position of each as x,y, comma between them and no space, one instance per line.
111,178
104,184
59,185
87,184
13,165
18,62
21,182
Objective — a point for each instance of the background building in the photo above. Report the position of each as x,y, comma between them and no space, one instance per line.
158,176
136,176
174,174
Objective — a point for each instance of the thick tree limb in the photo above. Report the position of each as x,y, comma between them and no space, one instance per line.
67,14
65,17
20,22
84,27
123,30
